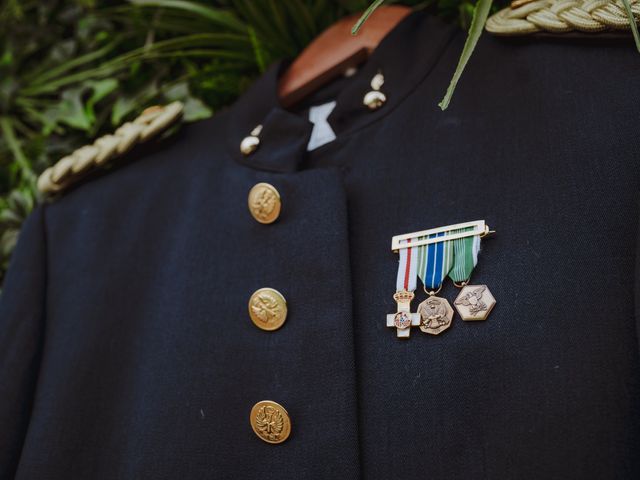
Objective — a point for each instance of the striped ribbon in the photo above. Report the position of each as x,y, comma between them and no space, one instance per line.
434,262
465,254
407,268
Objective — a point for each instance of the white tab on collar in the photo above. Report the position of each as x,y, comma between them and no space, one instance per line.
322,132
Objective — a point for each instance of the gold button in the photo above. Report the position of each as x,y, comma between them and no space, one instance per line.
268,309
270,421
264,203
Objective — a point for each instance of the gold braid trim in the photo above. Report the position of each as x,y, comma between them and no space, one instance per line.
72,168
558,16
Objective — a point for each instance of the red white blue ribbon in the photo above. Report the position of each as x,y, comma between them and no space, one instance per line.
407,268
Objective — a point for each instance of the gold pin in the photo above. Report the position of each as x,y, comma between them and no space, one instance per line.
251,142
374,99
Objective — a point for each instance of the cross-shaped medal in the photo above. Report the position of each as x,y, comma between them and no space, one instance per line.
403,320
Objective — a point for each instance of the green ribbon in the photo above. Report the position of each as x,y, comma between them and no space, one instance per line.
465,256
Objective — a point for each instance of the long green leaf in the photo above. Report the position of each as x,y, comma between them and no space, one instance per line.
118,64
216,15
279,20
632,23
367,13
43,77
304,16
257,50
9,135
480,14
278,42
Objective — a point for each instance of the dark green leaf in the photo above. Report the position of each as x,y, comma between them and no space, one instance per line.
632,23
480,15
216,15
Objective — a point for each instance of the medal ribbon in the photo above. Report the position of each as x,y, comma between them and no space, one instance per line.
435,262
407,268
465,254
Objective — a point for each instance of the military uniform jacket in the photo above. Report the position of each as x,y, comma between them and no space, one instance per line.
126,349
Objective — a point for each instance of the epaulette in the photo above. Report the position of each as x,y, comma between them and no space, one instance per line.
559,16
72,168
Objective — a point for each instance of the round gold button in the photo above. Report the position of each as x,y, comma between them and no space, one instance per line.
267,309
264,203
270,421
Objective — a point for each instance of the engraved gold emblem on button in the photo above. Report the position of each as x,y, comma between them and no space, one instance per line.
264,203
250,143
270,421
267,309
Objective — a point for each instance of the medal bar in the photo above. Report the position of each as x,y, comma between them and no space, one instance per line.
479,228
433,256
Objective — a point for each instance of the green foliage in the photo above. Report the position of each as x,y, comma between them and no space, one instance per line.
71,70
480,15
633,23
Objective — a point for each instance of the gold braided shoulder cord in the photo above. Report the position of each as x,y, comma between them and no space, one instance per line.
559,16
72,168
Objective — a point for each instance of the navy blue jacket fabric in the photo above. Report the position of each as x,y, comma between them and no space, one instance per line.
126,350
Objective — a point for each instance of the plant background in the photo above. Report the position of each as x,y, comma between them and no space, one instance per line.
71,70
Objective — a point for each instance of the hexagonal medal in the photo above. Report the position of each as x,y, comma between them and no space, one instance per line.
474,302
435,315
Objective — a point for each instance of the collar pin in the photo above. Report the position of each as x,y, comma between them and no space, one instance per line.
374,99
250,143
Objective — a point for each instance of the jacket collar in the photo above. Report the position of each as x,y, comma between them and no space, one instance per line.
405,57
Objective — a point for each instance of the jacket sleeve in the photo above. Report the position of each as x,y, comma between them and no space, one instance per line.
22,316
